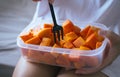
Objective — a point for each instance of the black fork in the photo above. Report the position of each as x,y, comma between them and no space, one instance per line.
57,29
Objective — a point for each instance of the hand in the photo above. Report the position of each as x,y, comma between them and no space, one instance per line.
51,1
113,52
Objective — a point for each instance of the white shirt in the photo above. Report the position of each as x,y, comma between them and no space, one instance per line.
106,12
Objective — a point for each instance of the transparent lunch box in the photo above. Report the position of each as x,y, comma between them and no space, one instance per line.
86,59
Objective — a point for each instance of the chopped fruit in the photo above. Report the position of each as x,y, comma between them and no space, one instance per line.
78,42
45,42
68,26
71,36
75,41
34,40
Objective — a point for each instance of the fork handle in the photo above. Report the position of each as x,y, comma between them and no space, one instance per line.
53,14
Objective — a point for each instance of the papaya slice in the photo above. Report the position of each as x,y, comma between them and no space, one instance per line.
68,26
84,48
98,44
85,31
90,31
48,25
45,32
78,42
71,36
91,40
77,30
68,45
34,40
26,36
45,41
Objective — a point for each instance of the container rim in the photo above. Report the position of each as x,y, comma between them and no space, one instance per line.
21,44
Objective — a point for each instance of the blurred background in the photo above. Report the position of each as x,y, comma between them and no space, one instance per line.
15,15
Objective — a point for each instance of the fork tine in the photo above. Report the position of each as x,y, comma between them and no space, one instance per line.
58,34
62,33
54,36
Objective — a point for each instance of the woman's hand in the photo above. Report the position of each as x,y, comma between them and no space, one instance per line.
113,51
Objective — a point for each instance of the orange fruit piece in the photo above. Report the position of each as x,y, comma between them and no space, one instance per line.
45,32
85,31
45,41
68,26
71,36
84,48
98,44
68,45
91,40
78,42
77,30
49,58
63,60
34,40
48,25
26,36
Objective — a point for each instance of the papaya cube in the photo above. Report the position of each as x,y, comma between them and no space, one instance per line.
71,36
84,48
78,42
45,32
68,45
98,44
56,46
45,41
68,26
91,40
26,36
34,40
90,31
62,42
77,30
48,25
85,31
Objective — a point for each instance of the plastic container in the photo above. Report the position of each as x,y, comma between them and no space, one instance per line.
60,56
